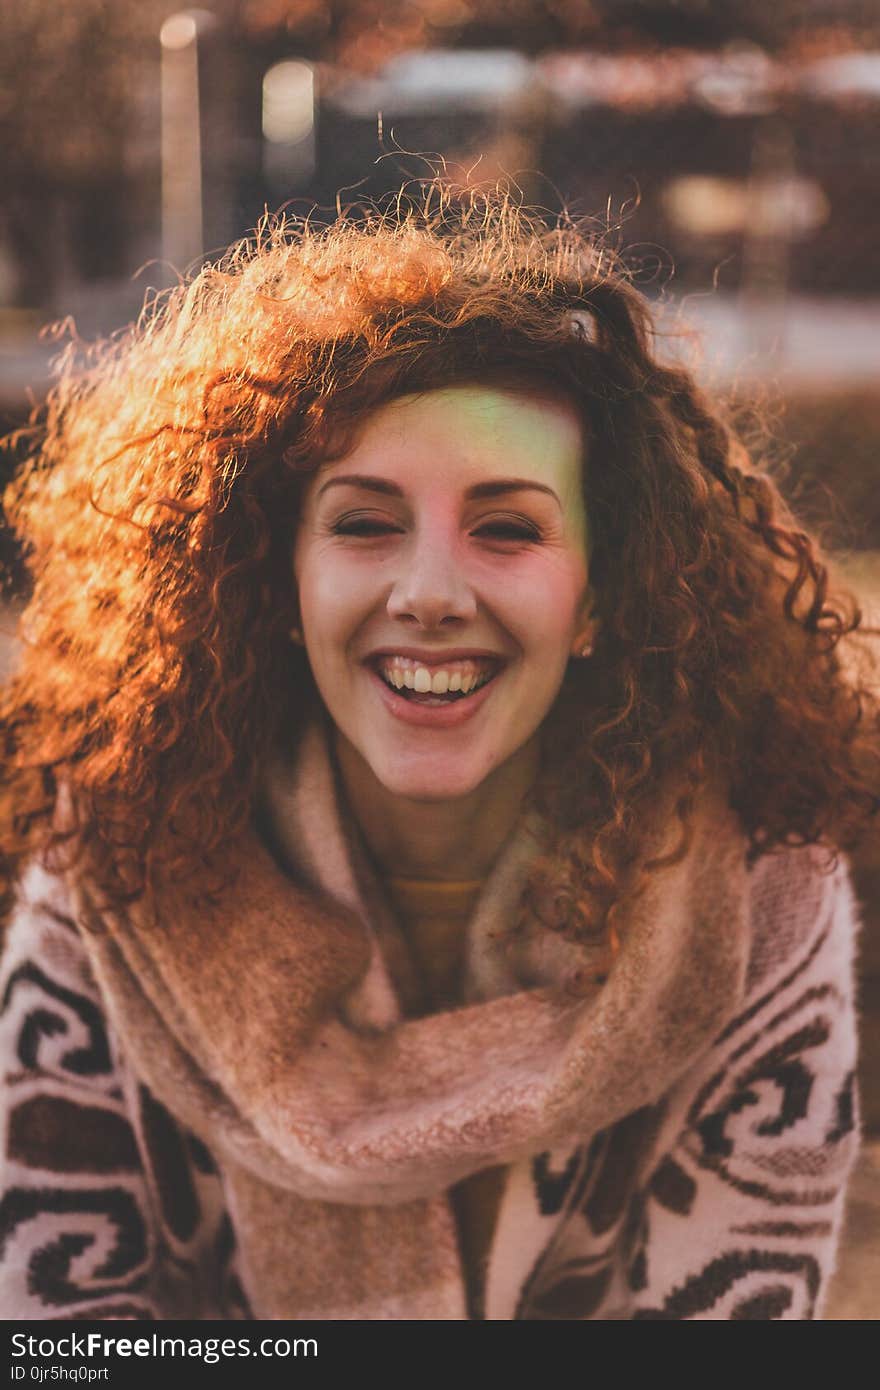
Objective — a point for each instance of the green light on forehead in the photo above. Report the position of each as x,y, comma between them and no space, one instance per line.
518,417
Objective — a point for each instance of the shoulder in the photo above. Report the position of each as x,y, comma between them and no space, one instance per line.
51,1011
42,930
108,1206
756,1143
803,917
775,1102
796,1029
796,906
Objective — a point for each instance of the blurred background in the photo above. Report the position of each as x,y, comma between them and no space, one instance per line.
732,151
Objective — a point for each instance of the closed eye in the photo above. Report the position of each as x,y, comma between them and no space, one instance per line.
509,529
367,524
363,524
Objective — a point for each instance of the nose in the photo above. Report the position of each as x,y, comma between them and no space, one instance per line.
430,587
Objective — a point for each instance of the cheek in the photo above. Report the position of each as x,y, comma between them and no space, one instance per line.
331,596
543,606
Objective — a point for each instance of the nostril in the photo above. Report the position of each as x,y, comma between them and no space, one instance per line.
431,598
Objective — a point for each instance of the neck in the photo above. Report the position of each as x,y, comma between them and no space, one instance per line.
457,839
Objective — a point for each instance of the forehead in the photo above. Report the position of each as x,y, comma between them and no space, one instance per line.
474,431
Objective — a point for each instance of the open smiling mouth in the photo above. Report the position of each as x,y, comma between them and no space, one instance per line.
440,685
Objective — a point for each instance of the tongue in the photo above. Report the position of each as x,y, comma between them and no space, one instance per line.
429,698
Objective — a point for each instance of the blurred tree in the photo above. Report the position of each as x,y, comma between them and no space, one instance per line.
63,75
65,79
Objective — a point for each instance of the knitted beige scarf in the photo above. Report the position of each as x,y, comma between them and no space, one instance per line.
271,1028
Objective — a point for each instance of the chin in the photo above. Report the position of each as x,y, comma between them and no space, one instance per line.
428,784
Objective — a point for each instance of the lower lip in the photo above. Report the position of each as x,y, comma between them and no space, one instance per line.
433,716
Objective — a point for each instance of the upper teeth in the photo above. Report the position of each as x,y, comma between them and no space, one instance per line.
463,675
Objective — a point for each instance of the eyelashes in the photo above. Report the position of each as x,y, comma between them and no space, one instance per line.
512,530
363,525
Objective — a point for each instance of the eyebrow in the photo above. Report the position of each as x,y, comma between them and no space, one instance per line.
492,488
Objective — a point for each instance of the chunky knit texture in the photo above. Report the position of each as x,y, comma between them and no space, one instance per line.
210,1113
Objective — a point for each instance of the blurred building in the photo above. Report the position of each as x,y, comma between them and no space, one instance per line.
735,166
737,162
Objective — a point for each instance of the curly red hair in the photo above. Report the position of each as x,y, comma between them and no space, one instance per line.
160,502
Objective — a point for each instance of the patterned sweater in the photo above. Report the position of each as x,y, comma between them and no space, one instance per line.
720,1198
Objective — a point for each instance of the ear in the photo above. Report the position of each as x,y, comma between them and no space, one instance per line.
587,628
295,630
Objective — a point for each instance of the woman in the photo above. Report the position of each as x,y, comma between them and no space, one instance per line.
429,751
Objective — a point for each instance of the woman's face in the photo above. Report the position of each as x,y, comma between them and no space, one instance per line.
442,578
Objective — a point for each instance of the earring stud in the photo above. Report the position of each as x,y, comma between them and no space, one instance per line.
586,649
296,635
